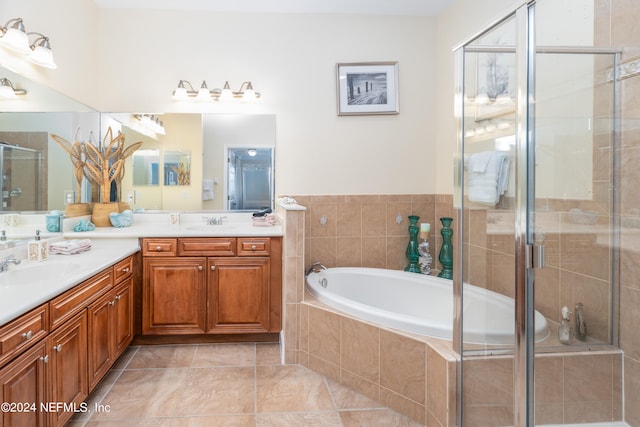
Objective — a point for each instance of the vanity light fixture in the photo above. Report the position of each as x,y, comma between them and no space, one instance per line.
8,91
185,92
14,37
41,53
151,123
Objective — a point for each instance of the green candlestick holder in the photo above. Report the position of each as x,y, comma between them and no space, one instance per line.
446,251
412,248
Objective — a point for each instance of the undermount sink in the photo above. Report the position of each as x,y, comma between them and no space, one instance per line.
30,273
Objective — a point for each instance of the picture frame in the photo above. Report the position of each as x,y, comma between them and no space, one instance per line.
367,88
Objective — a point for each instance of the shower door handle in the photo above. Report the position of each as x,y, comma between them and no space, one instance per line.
535,256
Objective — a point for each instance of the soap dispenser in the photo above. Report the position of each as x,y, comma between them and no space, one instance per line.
37,249
564,331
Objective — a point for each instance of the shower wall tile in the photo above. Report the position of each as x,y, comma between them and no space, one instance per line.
549,390
629,321
594,294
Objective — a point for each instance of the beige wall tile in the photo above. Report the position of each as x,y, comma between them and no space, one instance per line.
324,335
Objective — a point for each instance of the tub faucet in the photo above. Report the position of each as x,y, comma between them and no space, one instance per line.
4,265
316,267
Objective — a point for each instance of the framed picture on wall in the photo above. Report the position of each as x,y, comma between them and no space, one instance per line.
367,88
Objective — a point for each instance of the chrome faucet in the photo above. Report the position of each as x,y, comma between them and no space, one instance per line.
213,220
4,265
316,267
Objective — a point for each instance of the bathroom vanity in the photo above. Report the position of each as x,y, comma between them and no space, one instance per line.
211,285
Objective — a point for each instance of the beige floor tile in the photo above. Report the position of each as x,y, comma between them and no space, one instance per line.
149,393
318,419
125,358
376,418
218,390
268,354
224,355
215,421
291,388
346,398
162,356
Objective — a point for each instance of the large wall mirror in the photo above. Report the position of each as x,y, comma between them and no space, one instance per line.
36,173
194,150
211,162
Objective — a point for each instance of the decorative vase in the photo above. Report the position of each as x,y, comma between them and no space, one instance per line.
446,251
101,211
412,248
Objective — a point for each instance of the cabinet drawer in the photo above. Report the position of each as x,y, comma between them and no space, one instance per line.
123,269
217,246
73,301
159,247
23,331
252,246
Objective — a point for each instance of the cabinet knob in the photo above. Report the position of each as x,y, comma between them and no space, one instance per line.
253,247
27,335
45,359
125,270
199,268
118,297
112,302
213,267
158,248
58,348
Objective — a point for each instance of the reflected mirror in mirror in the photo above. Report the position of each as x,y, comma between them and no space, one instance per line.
177,168
146,167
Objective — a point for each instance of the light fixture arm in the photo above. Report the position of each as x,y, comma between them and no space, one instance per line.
6,82
41,40
18,24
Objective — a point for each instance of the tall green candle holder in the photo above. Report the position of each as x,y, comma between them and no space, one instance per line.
446,251
412,248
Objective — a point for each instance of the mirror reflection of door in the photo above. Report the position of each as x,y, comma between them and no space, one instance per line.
249,178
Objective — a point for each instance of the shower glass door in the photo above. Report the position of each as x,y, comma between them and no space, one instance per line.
536,220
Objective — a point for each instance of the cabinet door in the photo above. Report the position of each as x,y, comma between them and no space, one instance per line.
68,365
23,381
101,338
123,316
173,296
238,295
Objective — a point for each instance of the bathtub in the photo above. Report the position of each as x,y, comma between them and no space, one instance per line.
418,303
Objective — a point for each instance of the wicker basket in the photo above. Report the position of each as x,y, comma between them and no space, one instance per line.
101,211
77,209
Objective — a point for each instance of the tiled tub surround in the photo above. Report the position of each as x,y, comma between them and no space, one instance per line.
570,385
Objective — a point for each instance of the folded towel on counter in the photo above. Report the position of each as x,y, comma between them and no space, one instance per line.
488,176
267,220
70,247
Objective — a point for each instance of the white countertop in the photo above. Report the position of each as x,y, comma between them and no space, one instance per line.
190,225
18,298
110,245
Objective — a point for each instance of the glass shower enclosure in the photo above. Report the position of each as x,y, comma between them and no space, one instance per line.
21,178
536,210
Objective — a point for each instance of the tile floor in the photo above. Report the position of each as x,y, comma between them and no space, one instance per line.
226,385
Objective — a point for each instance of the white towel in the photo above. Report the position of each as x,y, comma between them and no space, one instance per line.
268,220
70,247
488,176
207,189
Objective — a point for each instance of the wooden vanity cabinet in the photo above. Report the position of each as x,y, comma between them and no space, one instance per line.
25,380
56,353
110,323
174,296
217,285
67,349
